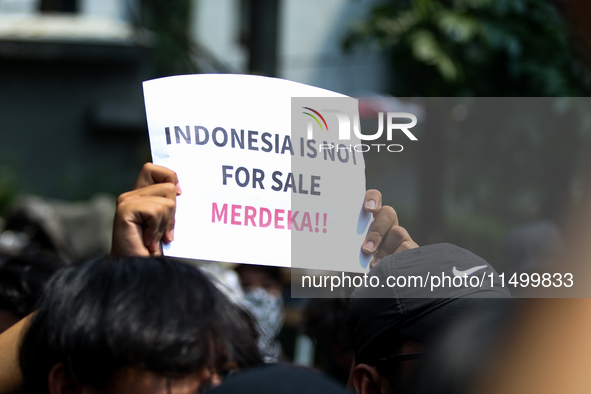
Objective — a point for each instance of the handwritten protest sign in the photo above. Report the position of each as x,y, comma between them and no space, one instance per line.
264,178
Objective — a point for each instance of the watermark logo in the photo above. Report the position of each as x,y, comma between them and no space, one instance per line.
316,119
334,124
345,123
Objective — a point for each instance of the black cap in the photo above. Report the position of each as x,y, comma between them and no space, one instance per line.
378,317
279,379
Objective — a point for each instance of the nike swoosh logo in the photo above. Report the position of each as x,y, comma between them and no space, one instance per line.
468,271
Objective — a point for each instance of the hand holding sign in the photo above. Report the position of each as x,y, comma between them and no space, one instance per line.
145,218
385,236
283,180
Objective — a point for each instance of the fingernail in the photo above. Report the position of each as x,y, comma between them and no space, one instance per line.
171,235
371,204
178,189
368,247
375,262
155,247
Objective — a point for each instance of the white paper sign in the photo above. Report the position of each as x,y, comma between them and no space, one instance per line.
265,178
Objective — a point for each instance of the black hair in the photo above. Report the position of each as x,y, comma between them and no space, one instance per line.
324,321
391,368
272,274
152,313
21,280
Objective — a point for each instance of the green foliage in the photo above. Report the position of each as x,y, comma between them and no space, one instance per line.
474,48
507,172
169,21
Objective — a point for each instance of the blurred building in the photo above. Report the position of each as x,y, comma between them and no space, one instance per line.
307,48
309,40
70,99
71,102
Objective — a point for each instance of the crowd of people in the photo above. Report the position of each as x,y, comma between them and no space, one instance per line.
138,322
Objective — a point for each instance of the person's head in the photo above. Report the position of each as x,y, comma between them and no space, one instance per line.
391,327
279,379
148,324
21,280
323,320
531,247
263,295
252,275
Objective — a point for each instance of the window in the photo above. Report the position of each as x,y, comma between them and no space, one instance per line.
59,6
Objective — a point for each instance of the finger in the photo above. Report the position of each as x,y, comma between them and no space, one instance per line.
141,196
138,223
148,215
152,174
127,239
169,233
166,190
397,240
154,233
154,215
384,220
373,201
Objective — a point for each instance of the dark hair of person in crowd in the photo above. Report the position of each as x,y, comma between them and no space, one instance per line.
21,280
324,321
260,275
154,314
